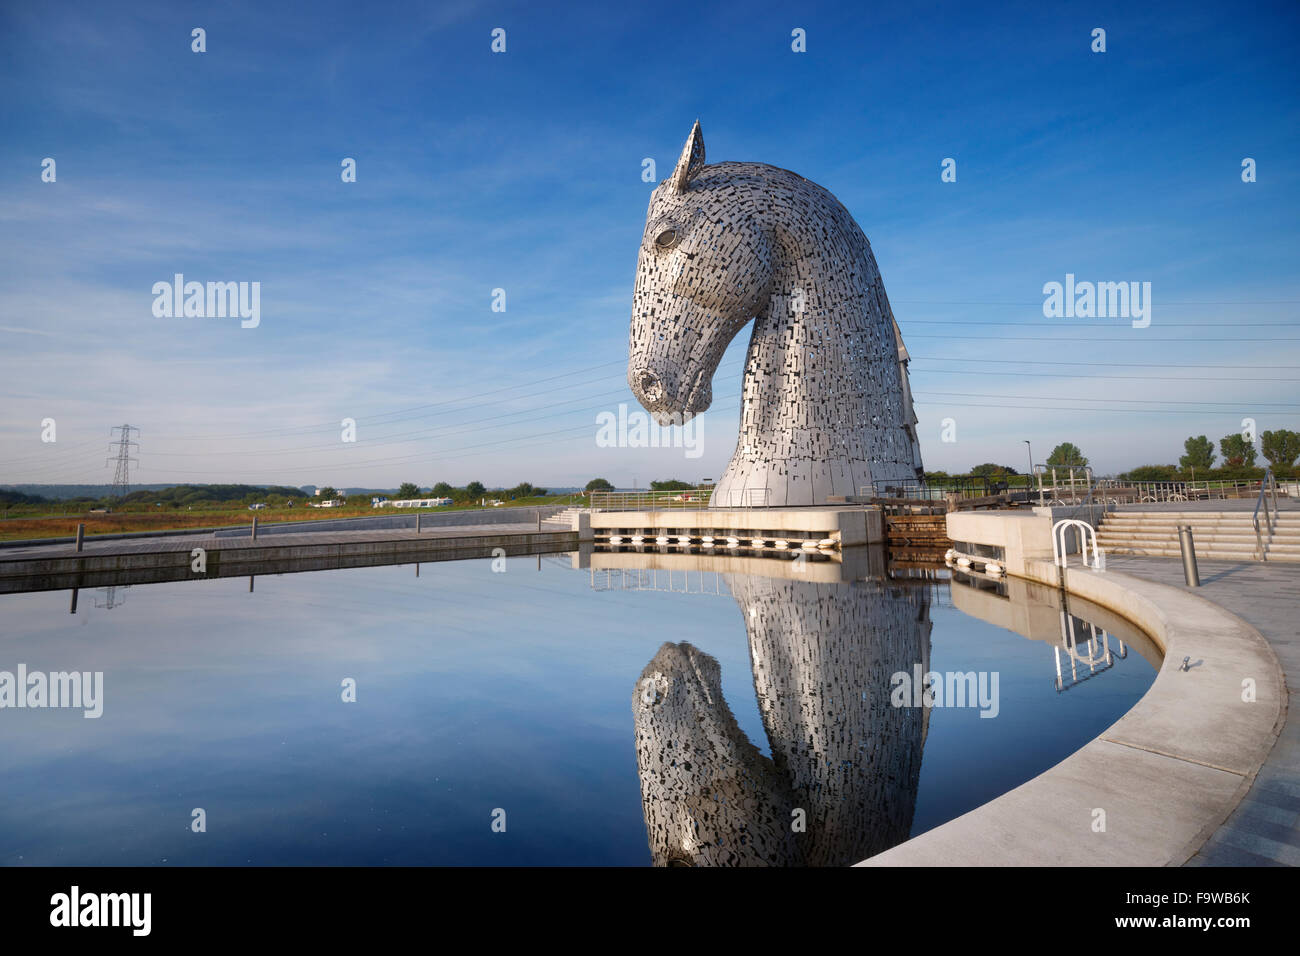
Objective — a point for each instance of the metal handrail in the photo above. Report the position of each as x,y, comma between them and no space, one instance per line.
1176,490
693,499
1087,536
1088,503
959,486
1269,481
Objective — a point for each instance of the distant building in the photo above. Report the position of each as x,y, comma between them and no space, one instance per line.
411,503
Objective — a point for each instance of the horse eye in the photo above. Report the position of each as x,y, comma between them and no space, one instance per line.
666,238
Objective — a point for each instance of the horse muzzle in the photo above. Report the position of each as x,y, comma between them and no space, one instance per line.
671,400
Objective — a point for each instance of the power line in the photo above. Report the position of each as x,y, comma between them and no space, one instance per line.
1150,401
919,367
945,358
1070,323
459,427
1039,302
1096,341
1126,411
450,401
1140,378
57,449
391,416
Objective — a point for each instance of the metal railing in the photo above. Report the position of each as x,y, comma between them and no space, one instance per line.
1174,491
691,500
1087,542
1267,484
1070,483
677,581
1097,658
970,486
650,500
1092,502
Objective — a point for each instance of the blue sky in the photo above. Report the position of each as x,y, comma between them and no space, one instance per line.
522,171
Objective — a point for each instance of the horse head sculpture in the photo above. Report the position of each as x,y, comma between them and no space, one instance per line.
826,408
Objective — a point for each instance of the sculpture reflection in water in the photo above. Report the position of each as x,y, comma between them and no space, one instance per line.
842,779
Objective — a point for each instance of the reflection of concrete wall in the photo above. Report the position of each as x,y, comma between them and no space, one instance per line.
1029,615
850,526
843,565
822,657
1034,611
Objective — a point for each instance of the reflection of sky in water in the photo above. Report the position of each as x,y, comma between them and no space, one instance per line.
475,691
969,760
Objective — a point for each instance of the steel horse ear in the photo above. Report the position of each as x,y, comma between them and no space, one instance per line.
826,408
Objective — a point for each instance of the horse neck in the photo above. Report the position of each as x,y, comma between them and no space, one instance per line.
809,370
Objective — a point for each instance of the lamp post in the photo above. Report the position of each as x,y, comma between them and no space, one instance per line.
1031,463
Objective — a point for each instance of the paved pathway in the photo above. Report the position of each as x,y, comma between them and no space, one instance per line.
1264,830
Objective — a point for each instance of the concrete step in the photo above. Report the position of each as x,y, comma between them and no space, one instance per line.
1198,533
1213,556
1293,527
1198,536
1209,526
1199,516
1204,550
1246,519
1230,530
1280,529
1235,513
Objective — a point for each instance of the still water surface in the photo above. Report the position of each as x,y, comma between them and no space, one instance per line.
614,723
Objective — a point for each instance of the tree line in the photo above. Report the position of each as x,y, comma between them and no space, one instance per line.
469,493
1280,448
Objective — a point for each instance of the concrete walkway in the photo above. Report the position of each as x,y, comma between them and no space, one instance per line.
1154,787
154,560
209,541
1264,829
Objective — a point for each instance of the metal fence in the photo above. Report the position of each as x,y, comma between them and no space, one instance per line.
692,500
1050,487
1118,491
964,487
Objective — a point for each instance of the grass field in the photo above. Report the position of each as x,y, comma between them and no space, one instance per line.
21,527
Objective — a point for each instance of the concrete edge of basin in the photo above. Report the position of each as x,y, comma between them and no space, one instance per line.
1169,772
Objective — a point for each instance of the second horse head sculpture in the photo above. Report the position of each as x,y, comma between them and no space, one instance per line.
826,408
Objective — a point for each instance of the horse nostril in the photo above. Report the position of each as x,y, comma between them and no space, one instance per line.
649,383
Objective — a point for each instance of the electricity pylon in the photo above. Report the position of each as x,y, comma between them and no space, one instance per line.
121,477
